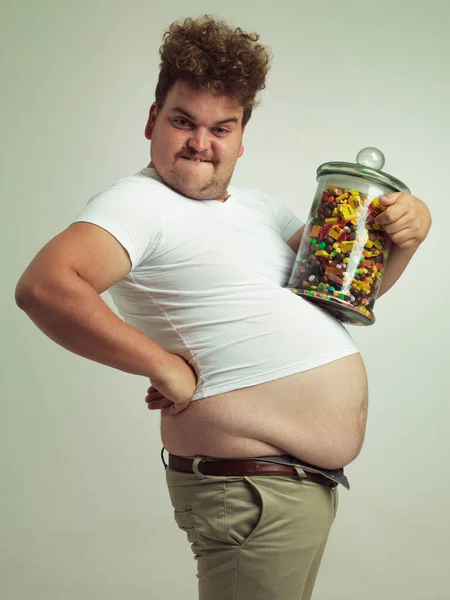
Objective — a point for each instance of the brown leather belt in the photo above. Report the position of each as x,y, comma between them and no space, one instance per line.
230,467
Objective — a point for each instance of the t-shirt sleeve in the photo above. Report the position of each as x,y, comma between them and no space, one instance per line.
287,222
129,213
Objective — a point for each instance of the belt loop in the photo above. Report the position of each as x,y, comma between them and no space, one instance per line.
162,458
195,464
300,472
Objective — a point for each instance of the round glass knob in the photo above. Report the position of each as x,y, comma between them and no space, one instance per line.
371,157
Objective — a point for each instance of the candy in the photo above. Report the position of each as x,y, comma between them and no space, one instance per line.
341,259
375,204
346,212
347,246
336,232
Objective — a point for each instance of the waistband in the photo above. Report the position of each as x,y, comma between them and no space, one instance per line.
331,476
241,467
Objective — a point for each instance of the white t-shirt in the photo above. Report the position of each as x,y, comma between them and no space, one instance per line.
207,283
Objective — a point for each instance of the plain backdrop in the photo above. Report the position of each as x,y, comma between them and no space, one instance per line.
84,506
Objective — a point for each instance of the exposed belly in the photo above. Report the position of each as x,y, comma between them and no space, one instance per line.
318,415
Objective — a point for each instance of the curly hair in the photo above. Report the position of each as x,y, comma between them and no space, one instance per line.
209,55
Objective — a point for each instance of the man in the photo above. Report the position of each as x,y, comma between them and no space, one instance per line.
263,396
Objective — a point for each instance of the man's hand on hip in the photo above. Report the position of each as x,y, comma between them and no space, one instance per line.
173,392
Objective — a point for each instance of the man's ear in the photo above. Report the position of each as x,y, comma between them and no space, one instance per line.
151,121
241,149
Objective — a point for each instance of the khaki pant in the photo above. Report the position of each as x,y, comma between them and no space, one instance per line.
254,537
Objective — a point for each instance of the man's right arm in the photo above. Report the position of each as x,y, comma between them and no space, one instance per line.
60,292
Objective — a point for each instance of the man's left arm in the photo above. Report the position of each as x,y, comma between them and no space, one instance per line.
294,240
407,221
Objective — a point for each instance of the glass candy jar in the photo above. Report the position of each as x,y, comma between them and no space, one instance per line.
343,252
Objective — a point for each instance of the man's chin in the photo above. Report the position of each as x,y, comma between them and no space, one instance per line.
195,190
197,194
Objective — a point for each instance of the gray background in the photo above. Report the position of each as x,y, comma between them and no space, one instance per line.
84,507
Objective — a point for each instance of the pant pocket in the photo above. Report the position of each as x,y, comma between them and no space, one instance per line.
184,517
243,510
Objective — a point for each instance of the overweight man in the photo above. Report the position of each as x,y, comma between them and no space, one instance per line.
262,395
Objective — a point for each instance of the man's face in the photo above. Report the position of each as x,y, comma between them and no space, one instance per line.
196,140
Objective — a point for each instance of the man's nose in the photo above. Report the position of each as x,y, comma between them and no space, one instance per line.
199,139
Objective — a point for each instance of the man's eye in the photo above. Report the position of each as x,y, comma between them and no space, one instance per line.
221,131
181,122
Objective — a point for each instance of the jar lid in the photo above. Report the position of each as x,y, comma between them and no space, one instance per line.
369,163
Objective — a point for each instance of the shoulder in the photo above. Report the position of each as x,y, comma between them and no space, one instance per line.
128,192
137,183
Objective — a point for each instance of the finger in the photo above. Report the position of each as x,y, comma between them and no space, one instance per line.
397,226
410,244
159,404
150,401
391,215
154,395
402,238
176,408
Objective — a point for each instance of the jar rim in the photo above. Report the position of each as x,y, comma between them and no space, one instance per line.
344,168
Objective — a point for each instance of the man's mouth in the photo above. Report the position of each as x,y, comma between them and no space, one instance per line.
196,160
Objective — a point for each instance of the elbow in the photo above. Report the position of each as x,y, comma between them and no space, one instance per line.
24,297
33,291
29,293
49,293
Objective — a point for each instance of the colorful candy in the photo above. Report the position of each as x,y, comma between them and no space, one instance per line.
342,256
